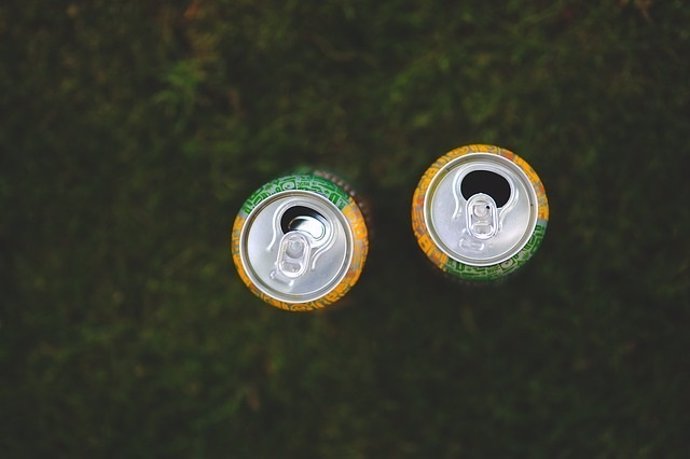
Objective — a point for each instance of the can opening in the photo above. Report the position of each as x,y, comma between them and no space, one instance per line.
487,182
303,219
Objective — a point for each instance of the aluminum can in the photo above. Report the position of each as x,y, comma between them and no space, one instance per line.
479,212
300,241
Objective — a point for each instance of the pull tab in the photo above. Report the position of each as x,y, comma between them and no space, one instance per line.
481,216
294,253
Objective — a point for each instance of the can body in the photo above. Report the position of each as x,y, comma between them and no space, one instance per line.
300,241
479,213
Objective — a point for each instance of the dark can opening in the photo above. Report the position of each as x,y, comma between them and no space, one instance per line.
303,219
487,182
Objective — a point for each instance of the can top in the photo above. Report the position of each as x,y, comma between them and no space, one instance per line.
480,209
296,246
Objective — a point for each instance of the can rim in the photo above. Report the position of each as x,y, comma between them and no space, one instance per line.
256,281
443,171
461,270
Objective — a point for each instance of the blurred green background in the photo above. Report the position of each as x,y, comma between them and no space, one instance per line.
131,132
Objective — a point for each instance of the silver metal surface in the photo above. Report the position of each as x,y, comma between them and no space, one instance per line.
474,230
296,246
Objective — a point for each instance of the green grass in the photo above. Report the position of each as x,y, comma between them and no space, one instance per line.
131,132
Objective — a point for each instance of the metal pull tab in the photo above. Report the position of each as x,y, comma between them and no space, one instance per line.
481,216
294,254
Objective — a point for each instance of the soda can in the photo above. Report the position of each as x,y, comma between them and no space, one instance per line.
479,212
300,241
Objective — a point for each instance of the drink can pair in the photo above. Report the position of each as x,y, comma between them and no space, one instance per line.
300,242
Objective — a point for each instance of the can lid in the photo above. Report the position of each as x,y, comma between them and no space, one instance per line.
480,209
296,246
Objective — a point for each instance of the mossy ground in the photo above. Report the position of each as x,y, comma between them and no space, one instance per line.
132,131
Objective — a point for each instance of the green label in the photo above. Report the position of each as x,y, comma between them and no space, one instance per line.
493,272
312,183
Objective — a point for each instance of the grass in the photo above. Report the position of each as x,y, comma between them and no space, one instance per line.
132,132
